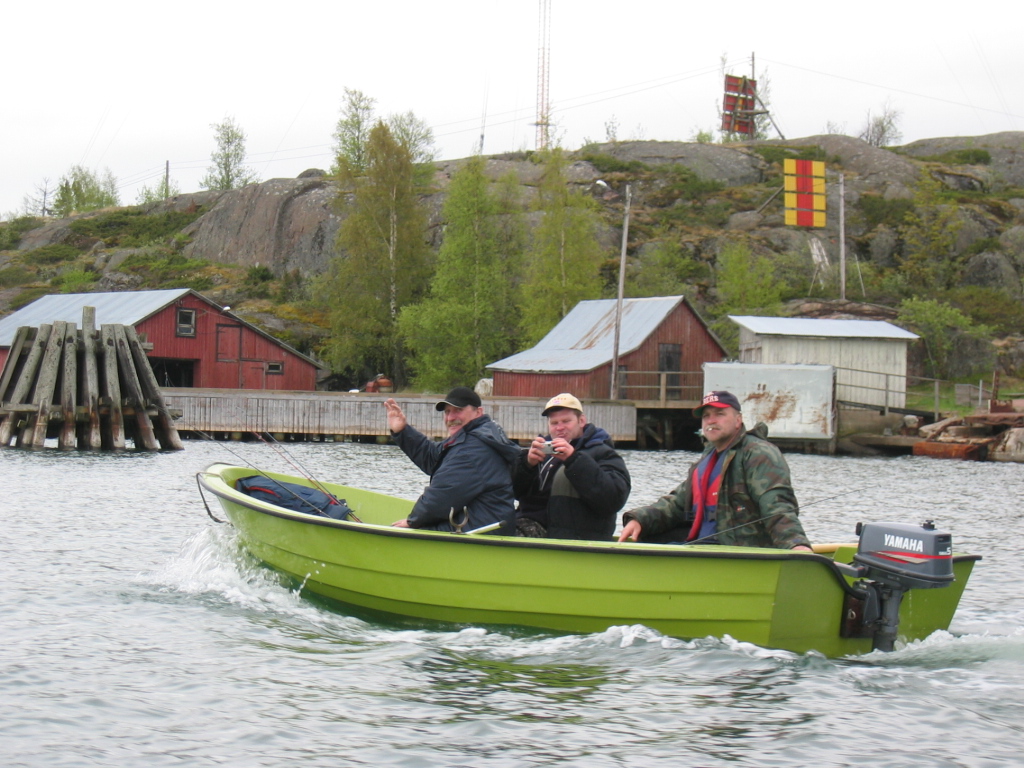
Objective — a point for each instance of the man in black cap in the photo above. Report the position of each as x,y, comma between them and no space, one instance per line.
739,492
470,471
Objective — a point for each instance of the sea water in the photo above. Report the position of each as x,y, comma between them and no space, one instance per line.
134,631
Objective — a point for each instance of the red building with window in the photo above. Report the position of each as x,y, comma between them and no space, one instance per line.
194,342
663,344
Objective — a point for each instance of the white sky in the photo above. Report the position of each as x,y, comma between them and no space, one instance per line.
130,85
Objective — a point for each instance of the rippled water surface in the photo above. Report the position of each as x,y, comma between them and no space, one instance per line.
135,632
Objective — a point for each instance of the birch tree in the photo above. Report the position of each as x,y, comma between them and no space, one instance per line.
383,261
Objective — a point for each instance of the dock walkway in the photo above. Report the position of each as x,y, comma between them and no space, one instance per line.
355,415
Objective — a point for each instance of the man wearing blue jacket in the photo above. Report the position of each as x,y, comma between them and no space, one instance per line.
470,470
571,483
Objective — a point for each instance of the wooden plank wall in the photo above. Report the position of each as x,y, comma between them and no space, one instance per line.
361,414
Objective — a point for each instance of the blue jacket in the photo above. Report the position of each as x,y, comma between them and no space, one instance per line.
471,470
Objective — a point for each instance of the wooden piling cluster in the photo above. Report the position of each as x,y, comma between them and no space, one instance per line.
89,389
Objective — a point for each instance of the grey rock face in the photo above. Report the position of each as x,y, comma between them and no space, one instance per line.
1006,150
282,224
731,165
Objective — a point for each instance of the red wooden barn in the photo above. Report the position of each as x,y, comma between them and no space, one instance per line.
659,335
195,342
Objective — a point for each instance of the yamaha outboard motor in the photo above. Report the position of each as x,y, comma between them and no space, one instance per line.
891,559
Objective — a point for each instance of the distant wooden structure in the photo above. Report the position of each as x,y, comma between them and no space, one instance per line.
664,342
355,416
90,389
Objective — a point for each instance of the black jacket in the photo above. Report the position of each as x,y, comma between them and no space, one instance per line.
471,470
582,499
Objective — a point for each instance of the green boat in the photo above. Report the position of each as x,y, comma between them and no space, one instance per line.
837,601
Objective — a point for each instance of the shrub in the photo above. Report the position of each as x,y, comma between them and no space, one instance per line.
51,254
608,164
258,274
75,281
12,276
877,210
131,228
27,296
11,232
961,157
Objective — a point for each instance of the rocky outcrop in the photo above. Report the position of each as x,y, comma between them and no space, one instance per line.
732,165
1005,167
880,170
281,224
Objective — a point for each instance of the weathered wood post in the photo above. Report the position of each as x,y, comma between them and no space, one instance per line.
89,429
113,438
68,389
34,434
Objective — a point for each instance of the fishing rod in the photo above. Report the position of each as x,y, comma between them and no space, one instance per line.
765,517
261,473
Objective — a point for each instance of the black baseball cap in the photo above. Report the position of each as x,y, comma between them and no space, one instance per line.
717,399
460,397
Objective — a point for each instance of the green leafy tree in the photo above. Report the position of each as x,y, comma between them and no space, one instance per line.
228,170
562,266
940,327
81,190
384,263
162,190
665,270
353,132
746,281
929,237
461,327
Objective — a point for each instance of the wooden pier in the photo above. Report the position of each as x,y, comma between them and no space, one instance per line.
88,389
235,414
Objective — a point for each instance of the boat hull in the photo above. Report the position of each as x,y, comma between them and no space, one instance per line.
774,598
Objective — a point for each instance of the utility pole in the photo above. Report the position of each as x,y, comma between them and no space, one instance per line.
618,307
842,237
167,178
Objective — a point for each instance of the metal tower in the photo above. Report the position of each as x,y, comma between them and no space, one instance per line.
543,60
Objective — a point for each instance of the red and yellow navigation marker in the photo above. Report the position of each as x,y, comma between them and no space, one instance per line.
805,192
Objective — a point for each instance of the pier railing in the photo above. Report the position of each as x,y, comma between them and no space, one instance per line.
897,393
662,387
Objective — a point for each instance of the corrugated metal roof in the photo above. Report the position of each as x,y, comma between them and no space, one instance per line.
585,338
809,326
118,308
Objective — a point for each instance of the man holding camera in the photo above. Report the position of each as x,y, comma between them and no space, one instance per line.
571,483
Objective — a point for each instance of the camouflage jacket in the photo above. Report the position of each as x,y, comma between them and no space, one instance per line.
756,503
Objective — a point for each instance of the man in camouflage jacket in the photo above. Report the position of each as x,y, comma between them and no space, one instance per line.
756,506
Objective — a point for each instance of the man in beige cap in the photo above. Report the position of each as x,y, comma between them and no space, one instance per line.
570,483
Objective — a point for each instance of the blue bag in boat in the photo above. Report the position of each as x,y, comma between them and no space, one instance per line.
298,498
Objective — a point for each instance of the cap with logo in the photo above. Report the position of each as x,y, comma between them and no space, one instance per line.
717,399
564,400
460,397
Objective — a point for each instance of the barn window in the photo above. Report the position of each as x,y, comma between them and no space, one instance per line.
186,325
275,369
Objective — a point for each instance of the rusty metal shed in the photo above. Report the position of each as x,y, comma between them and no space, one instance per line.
657,335
797,402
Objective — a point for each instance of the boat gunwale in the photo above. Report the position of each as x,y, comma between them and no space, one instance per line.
629,549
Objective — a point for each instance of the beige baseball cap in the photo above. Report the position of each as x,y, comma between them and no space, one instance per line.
564,400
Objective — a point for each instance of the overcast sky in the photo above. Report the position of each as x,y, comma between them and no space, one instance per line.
130,85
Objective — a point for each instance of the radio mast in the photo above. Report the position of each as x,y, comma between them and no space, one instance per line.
543,60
